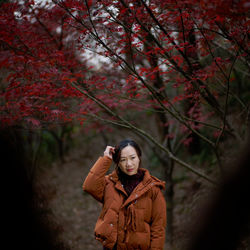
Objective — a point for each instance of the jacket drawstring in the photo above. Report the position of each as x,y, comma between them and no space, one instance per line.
131,218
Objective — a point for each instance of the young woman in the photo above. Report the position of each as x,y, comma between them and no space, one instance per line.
134,209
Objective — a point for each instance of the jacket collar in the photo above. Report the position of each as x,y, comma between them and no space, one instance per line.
146,180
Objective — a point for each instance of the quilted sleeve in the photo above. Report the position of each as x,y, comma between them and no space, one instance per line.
95,182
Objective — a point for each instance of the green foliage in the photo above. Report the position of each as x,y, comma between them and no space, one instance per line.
48,151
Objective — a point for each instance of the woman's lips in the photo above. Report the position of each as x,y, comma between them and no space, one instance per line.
130,169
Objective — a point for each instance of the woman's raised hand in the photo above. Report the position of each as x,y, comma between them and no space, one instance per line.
109,151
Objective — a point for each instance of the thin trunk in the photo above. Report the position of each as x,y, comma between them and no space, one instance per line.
191,53
170,202
168,165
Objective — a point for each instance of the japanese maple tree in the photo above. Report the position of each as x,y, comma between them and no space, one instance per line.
182,60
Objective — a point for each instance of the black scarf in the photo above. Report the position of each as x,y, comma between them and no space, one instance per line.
129,182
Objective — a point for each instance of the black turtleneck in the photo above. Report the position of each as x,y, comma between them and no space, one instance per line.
129,182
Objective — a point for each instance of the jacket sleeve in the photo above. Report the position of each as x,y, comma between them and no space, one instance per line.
158,221
95,182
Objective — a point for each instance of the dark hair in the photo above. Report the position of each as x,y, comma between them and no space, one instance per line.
121,146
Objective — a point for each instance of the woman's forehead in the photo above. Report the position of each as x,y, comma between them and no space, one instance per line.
128,151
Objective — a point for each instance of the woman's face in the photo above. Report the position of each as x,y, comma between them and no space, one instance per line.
129,160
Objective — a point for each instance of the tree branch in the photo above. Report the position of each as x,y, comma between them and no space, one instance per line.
143,133
226,100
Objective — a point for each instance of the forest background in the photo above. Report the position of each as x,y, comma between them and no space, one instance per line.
79,75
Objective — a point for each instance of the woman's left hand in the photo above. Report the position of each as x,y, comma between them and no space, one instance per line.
109,151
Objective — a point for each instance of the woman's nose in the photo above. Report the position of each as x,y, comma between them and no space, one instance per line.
128,163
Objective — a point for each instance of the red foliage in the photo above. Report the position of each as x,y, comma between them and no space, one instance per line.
42,51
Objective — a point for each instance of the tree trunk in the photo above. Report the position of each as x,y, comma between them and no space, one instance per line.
170,203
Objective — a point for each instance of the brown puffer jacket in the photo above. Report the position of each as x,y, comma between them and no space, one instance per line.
134,222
